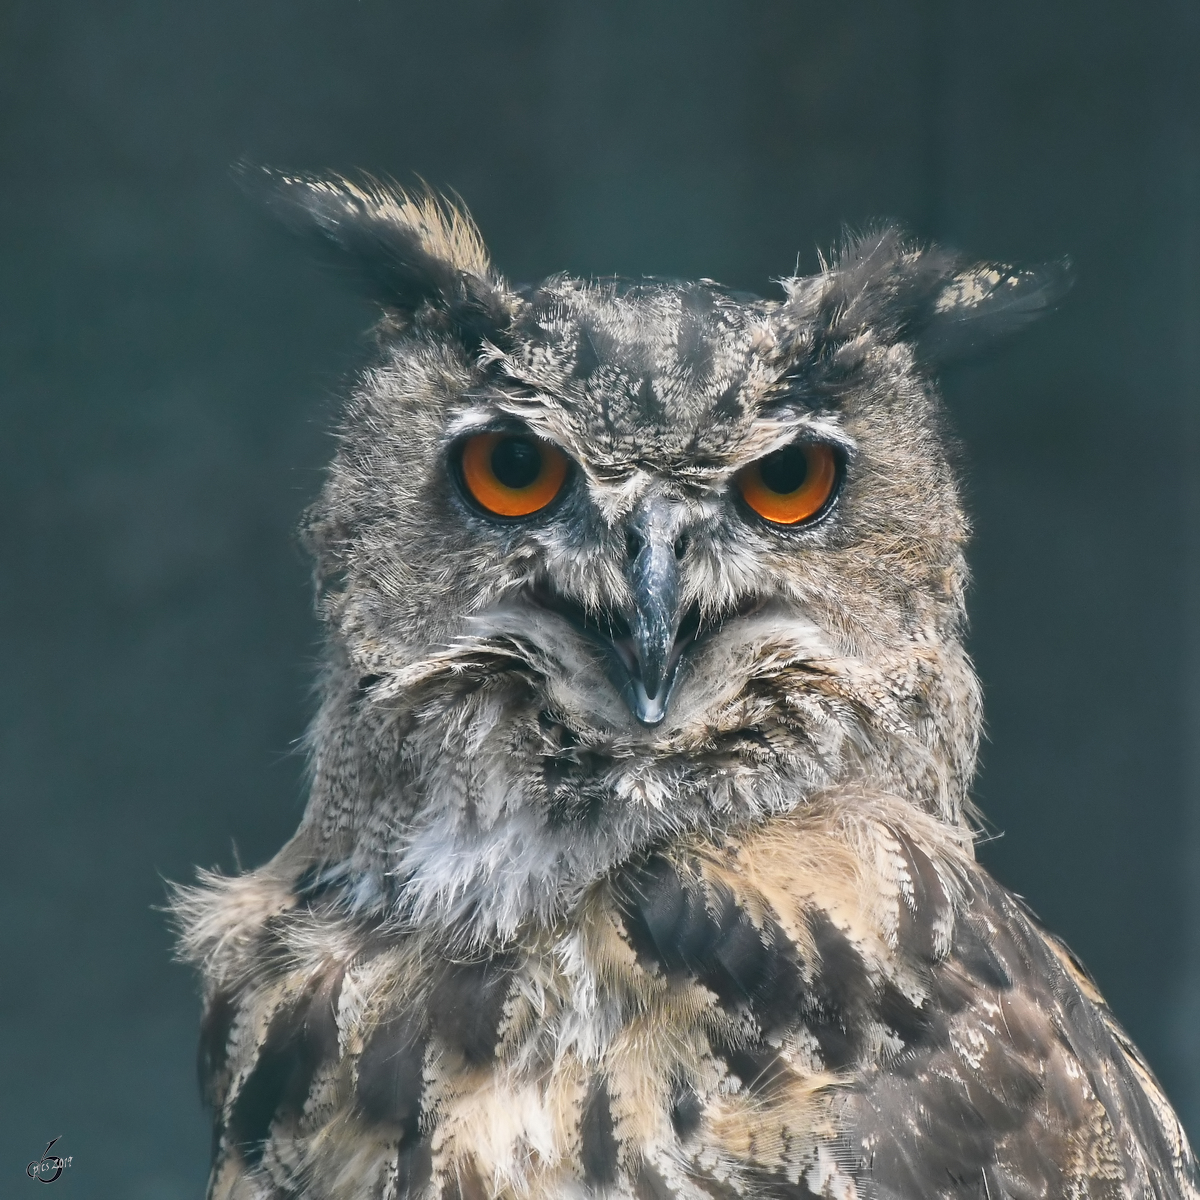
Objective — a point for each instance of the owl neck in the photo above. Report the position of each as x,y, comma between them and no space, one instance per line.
479,812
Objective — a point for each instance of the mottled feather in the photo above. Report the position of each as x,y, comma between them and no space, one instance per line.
532,941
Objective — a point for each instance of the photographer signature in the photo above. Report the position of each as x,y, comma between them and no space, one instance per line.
41,1168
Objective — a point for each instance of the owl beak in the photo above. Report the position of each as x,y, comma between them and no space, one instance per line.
653,575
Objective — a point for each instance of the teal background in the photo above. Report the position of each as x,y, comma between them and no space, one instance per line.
169,364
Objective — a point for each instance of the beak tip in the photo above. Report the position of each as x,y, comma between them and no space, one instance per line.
649,710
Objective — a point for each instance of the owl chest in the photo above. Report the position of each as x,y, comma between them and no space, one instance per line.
676,1032
533,1077
581,1069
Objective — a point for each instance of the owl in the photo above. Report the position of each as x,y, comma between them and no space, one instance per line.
638,858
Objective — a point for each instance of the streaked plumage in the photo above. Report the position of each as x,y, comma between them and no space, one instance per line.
638,859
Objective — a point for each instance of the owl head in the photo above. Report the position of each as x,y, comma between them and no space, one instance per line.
603,561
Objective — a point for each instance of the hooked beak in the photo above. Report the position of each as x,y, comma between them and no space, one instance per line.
645,641
652,651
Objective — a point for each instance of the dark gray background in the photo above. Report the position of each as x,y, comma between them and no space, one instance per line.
169,362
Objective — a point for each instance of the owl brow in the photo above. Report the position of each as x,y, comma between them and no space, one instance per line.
769,435
785,395
486,413
492,415
474,420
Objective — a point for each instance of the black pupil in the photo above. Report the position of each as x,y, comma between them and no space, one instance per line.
785,470
516,462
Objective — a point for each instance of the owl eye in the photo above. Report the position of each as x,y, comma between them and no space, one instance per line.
791,485
512,474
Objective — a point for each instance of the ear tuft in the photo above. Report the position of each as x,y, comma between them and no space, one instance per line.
408,249
899,291
989,301
881,280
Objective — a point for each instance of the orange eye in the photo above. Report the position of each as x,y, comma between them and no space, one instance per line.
512,474
792,484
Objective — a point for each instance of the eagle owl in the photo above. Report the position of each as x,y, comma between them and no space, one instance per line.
638,856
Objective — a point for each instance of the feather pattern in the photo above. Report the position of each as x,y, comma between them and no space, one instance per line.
534,941
836,1004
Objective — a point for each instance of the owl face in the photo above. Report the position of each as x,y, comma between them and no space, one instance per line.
603,560
649,499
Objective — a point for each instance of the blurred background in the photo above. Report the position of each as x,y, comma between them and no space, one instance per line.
169,364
